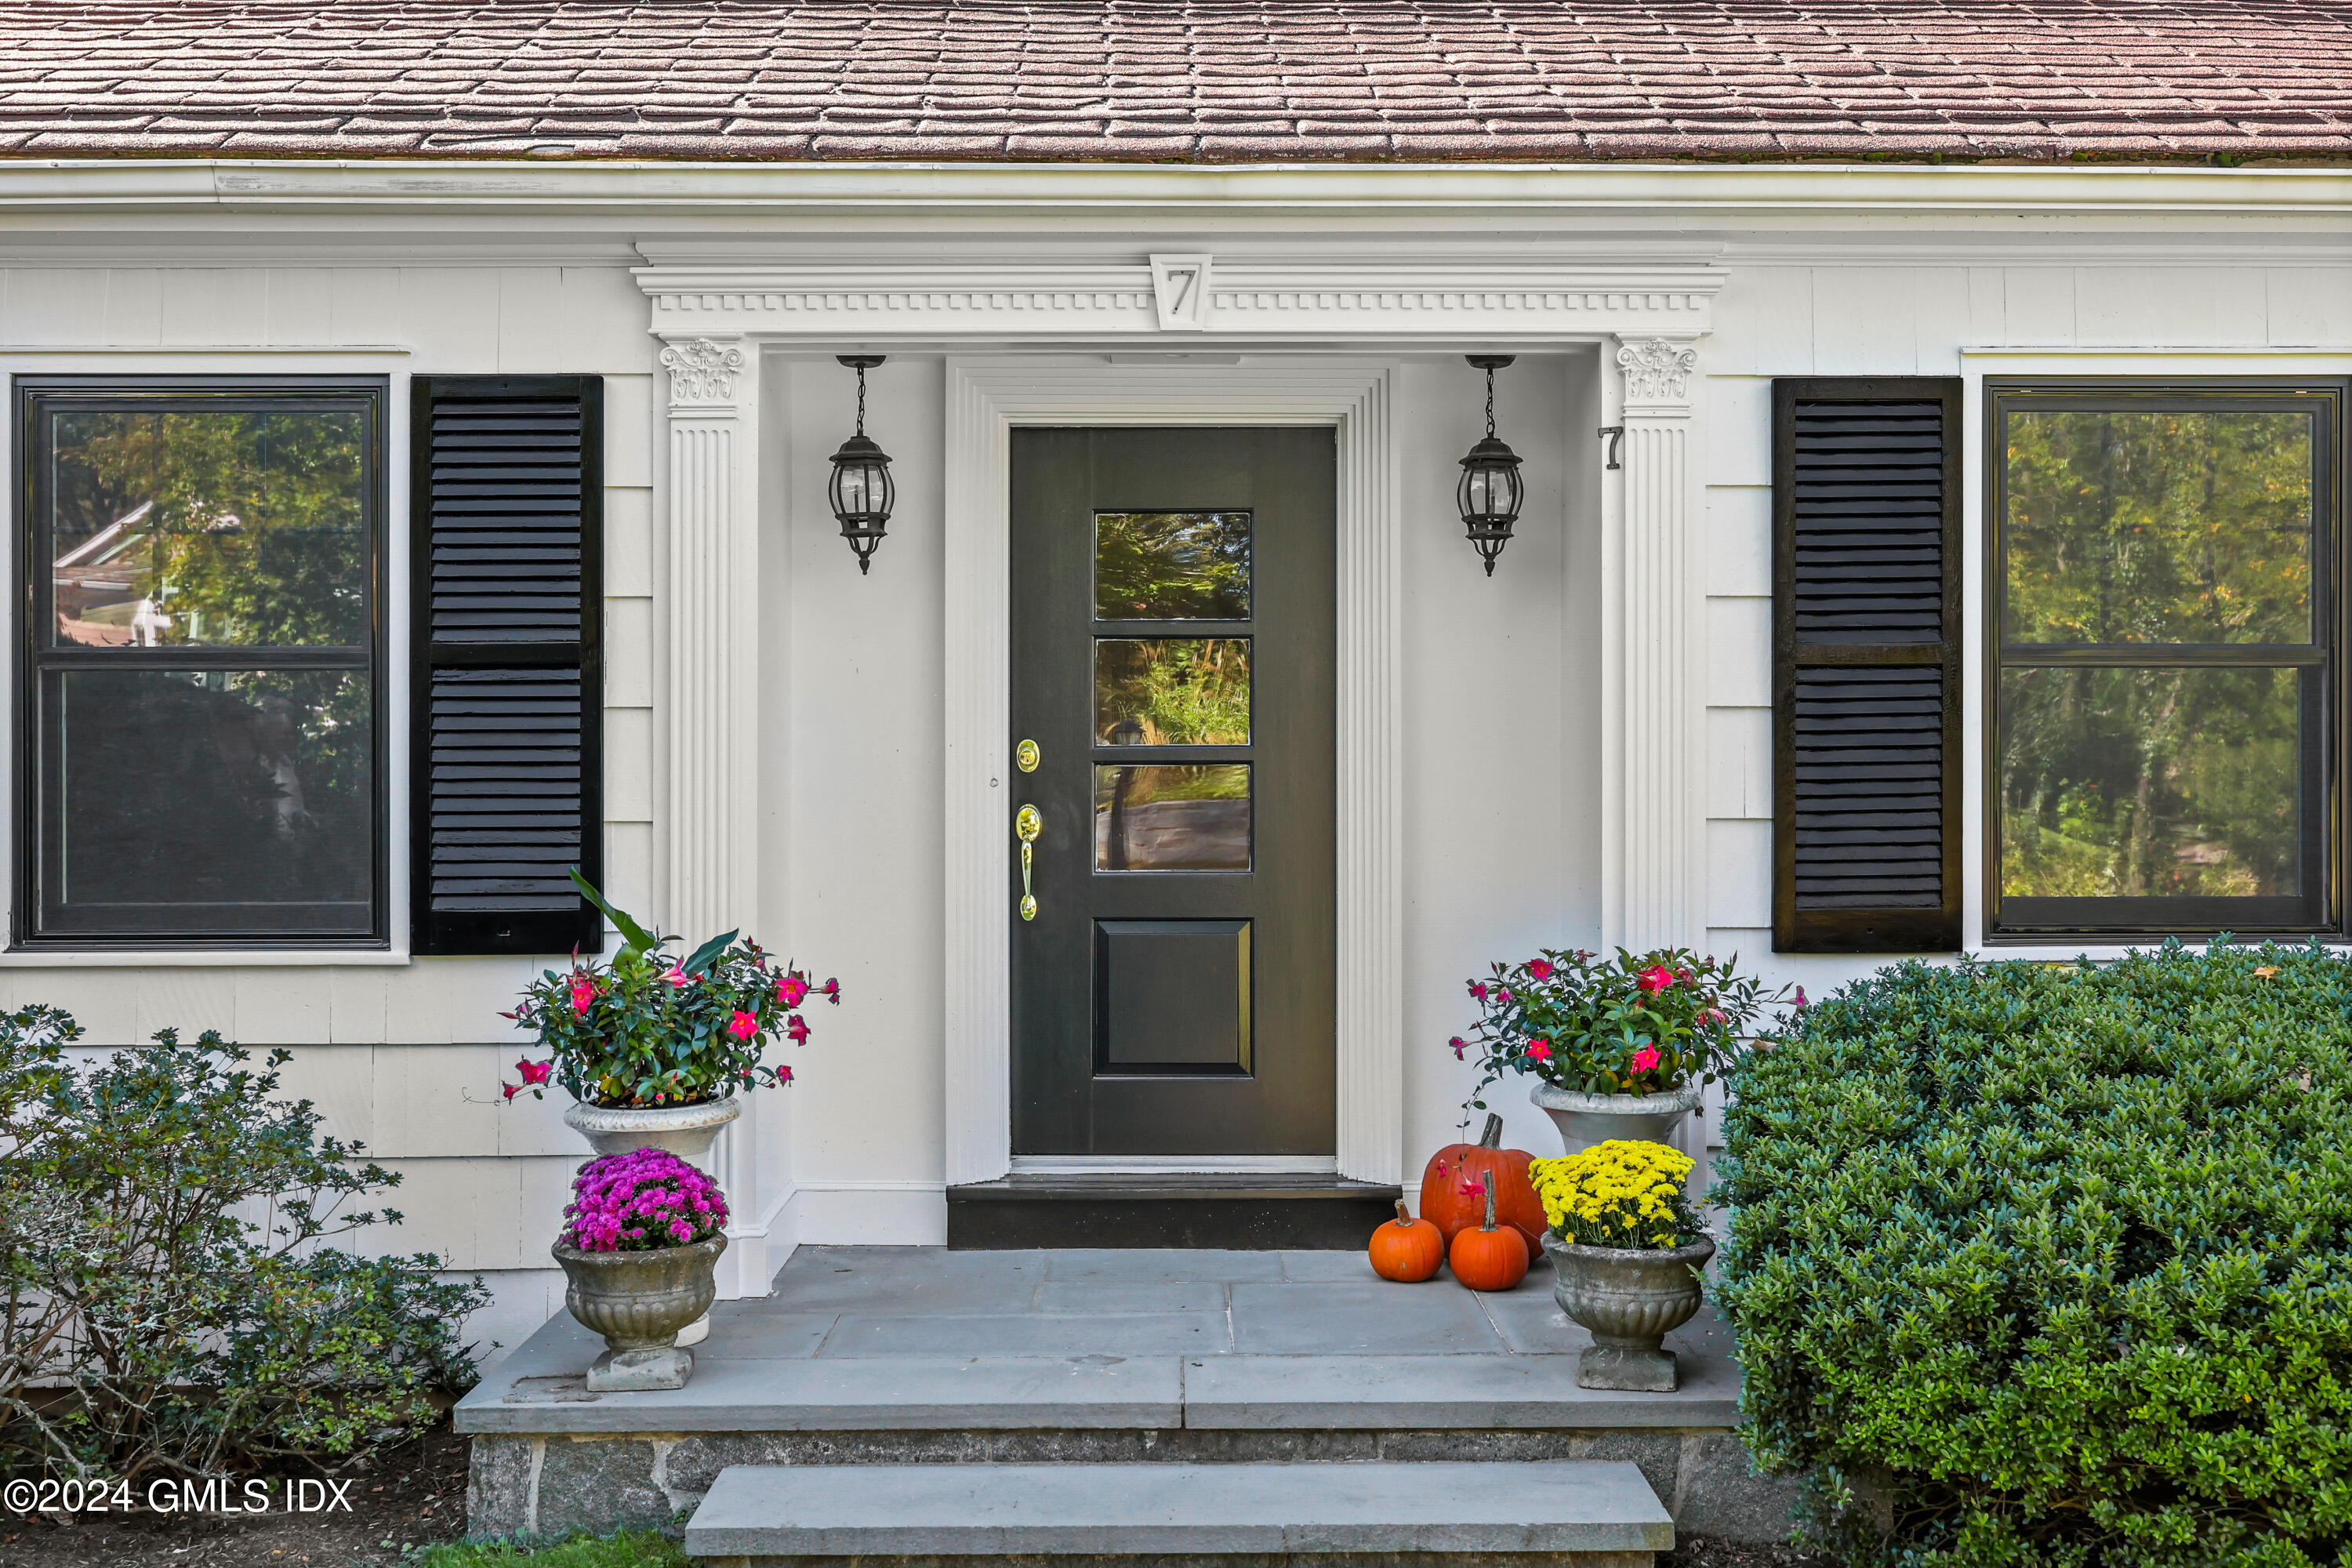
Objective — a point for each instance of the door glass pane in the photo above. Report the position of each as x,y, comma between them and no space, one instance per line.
201,799
2159,527
2151,783
1158,818
1172,565
1172,691
238,529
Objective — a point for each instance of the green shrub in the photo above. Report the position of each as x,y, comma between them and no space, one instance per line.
2052,1265
173,1300
631,1548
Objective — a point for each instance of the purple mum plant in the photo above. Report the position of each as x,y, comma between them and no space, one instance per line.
639,1201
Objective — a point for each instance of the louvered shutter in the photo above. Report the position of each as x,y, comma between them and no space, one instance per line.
1866,668
507,741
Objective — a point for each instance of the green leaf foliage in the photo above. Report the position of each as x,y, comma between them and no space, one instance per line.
630,1549
182,1287
2051,1264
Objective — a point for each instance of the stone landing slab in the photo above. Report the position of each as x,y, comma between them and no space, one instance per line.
920,1355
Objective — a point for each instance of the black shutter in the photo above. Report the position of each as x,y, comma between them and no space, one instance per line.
507,737
1866,665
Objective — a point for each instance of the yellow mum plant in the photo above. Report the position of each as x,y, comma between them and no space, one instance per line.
1623,1193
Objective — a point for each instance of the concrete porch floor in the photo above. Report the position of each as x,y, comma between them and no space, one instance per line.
888,1354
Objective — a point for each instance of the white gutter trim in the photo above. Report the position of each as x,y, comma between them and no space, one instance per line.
1007,189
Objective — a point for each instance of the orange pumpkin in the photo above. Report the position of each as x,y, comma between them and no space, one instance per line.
1449,1187
1407,1249
1493,1256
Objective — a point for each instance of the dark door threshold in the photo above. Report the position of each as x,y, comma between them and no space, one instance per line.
1250,1213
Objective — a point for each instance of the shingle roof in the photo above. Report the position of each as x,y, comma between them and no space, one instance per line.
1216,80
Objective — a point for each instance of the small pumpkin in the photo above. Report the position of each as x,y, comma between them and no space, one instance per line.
1407,1249
1493,1256
1449,1187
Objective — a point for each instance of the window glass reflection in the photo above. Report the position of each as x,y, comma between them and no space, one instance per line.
2151,783
2154,526
221,529
1172,691
1169,819
1172,565
196,799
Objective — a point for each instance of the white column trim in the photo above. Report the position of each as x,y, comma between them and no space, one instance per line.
712,631
985,398
1653,798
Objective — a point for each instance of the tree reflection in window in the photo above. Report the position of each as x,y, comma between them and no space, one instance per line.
207,690
215,529
1172,565
2160,699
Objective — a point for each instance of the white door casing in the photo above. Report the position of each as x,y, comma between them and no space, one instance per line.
1315,329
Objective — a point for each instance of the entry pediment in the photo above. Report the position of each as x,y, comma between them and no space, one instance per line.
1291,298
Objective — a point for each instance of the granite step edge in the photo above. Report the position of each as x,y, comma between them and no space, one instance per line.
1263,1509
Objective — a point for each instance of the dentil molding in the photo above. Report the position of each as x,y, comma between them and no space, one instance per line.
1196,294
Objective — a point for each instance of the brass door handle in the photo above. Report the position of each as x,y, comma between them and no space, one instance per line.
1027,823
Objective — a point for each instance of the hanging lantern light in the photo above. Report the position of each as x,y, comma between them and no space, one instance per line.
1491,490
861,490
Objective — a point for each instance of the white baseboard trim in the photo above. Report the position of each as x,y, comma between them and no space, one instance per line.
873,1213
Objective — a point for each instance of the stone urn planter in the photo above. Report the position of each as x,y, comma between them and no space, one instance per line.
1630,1298
685,1130
1585,1120
639,1302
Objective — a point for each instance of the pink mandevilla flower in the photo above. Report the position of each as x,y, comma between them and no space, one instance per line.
1540,968
1459,1045
1540,1050
831,990
1646,1060
1478,990
678,976
1656,978
536,1073
583,991
743,1025
791,991
797,1029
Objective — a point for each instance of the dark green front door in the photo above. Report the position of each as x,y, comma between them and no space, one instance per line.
1172,665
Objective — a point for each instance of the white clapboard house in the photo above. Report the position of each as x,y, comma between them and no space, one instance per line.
1927,536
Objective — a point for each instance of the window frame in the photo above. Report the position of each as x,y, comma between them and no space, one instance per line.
36,398
2324,764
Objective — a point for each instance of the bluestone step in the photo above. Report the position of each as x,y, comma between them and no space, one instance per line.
757,1512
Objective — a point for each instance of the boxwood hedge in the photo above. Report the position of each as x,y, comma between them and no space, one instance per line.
2051,1264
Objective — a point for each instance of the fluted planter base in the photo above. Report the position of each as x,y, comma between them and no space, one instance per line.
1631,1299
685,1130
639,1302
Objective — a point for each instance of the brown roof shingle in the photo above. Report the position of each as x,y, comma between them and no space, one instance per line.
1213,80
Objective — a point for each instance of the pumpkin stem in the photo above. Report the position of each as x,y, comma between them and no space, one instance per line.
1486,1180
1493,1137
1404,1215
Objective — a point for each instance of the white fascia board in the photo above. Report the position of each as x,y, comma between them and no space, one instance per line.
1032,190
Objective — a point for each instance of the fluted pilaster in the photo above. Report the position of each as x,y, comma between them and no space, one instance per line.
1652,784
709,843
